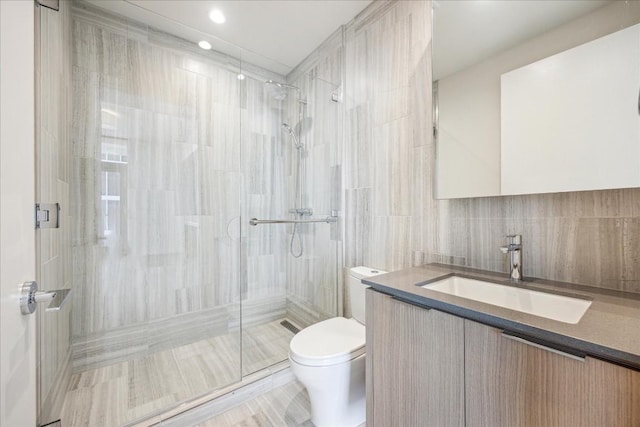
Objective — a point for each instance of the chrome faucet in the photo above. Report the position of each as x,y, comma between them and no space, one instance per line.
514,249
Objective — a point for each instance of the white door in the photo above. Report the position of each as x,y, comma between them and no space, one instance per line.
17,234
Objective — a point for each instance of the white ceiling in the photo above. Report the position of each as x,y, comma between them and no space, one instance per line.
465,32
274,34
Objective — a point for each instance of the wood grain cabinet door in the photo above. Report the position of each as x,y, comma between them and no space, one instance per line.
415,365
510,383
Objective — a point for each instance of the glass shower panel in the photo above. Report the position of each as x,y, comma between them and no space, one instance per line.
264,340
53,174
156,207
313,279
292,163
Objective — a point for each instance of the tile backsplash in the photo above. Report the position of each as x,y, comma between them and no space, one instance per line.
591,238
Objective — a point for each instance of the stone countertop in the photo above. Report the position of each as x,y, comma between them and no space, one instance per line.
609,330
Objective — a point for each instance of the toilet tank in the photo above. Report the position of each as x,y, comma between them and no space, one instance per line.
356,290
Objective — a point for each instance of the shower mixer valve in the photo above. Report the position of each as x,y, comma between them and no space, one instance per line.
302,211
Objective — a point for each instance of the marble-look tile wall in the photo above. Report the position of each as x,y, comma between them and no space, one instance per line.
387,133
590,238
392,219
314,279
53,157
163,138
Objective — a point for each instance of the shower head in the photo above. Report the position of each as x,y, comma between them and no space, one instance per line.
282,85
278,90
294,138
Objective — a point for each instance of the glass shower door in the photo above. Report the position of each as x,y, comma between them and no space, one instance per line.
140,144
163,281
264,340
291,157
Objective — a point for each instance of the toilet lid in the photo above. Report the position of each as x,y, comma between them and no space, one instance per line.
328,342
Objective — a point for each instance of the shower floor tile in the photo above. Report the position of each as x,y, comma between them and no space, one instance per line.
264,345
120,393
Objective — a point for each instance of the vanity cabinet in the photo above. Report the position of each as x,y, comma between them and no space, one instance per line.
513,383
415,365
429,368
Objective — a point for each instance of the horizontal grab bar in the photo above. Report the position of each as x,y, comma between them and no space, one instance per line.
256,221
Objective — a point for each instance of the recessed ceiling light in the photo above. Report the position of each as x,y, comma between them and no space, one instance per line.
204,44
240,76
217,16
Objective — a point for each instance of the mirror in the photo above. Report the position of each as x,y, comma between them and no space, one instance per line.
535,96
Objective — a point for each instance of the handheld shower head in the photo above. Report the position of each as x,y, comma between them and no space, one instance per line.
294,137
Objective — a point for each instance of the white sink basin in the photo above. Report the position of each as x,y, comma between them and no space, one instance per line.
555,307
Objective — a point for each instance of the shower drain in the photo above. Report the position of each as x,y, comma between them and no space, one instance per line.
288,325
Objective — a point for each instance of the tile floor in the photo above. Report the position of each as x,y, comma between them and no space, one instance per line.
287,405
126,391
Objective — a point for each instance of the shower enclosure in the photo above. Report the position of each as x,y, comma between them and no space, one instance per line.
169,152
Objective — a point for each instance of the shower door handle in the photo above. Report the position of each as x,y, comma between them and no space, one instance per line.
30,297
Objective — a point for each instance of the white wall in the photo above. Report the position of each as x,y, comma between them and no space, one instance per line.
17,242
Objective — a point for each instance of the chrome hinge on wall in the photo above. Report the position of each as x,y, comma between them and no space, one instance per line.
47,215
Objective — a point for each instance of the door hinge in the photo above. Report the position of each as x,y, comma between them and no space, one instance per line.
50,4
47,215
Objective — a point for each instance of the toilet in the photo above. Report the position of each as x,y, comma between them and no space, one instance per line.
328,359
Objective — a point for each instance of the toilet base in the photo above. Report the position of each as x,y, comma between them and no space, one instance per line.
337,392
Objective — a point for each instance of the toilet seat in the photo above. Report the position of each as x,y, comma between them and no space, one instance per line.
329,342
